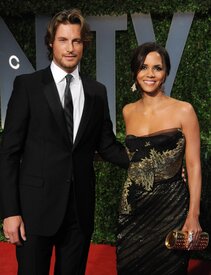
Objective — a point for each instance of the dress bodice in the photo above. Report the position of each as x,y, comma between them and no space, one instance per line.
155,157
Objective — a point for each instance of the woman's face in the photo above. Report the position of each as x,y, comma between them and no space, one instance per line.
152,73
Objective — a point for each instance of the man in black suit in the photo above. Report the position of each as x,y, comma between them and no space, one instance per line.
52,130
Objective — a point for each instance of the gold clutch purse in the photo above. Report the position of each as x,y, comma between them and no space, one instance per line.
182,240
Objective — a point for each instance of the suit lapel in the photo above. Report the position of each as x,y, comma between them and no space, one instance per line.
54,102
88,108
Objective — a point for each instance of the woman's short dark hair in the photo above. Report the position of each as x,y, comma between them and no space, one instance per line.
142,51
72,16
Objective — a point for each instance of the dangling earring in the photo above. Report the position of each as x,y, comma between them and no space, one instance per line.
133,87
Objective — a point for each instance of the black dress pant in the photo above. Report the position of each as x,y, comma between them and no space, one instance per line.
71,250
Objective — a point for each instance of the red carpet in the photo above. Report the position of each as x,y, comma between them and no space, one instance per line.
101,261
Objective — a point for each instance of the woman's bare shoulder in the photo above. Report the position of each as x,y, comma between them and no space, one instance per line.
129,107
180,105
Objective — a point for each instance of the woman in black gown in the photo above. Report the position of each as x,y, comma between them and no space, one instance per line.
155,199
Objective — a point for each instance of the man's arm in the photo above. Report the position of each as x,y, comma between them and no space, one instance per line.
11,148
109,148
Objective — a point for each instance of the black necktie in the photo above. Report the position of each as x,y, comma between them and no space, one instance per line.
68,106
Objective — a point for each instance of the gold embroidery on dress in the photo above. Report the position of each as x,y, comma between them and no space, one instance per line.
147,143
125,207
158,166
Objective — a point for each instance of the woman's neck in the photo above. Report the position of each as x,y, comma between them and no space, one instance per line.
152,99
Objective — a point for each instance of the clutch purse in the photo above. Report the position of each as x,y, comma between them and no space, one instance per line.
182,240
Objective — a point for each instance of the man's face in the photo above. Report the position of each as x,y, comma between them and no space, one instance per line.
67,46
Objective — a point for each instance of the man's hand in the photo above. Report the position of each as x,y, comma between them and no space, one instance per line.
14,230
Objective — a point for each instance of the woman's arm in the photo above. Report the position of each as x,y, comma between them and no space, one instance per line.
190,127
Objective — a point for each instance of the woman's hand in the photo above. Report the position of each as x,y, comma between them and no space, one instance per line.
192,226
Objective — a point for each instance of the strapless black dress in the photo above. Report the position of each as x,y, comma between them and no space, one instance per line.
155,200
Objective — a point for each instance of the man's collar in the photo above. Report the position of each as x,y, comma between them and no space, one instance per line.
59,74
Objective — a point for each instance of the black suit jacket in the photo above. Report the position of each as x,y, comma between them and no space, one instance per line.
38,162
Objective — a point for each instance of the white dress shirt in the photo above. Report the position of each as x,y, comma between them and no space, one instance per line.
76,89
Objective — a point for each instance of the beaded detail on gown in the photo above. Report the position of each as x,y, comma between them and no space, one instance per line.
154,202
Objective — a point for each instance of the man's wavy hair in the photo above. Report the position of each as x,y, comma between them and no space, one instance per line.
72,16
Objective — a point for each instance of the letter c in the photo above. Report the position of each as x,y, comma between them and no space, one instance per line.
17,62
